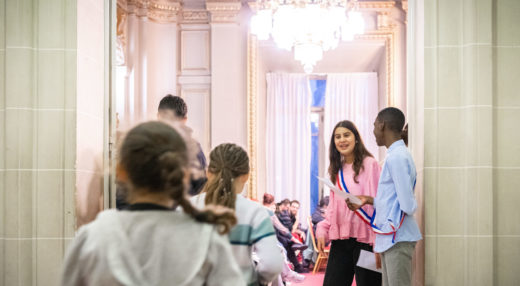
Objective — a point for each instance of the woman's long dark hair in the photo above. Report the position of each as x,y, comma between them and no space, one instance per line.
155,158
360,152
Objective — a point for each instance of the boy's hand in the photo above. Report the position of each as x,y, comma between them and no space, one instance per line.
378,260
365,200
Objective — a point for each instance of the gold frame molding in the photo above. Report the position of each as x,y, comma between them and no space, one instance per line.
388,35
252,91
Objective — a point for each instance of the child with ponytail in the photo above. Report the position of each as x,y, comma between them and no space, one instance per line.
148,243
228,171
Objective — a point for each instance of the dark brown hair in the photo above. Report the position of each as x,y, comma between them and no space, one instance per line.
360,152
226,162
155,159
268,199
175,104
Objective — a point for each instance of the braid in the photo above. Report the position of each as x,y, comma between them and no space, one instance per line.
173,175
223,217
227,162
172,172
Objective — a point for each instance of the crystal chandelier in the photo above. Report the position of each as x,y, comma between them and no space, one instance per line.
310,27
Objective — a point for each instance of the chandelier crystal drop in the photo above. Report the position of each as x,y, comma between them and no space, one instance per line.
308,27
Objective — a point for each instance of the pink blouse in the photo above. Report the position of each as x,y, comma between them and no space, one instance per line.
342,223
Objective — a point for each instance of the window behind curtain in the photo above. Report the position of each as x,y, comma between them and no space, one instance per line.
317,148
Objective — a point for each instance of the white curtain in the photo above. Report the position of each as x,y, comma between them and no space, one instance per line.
288,138
353,97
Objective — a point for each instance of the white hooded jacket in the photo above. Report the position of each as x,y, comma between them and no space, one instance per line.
150,247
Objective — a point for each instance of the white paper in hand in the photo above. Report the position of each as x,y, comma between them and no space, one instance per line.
342,194
367,260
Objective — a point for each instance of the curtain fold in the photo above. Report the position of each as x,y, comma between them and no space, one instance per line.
288,139
354,97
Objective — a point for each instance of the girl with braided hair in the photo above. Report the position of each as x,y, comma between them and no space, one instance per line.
228,171
147,243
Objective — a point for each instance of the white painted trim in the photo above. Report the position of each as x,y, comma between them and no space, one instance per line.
109,111
460,46
473,45
469,167
457,107
40,109
471,106
36,238
507,107
92,116
51,170
194,27
194,79
415,111
39,49
37,170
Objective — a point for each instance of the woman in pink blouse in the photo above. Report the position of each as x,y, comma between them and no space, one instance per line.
350,164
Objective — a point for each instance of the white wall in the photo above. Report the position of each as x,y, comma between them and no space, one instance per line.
151,67
90,110
161,63
228,84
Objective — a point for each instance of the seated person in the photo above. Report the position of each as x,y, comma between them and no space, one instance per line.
284,236
284,215
287,275
319,213
296,229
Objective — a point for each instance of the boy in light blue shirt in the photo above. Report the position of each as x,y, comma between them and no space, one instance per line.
395,202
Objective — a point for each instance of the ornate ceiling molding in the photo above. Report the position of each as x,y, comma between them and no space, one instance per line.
404,4
195,16
161,11
384,21
223,11
373,5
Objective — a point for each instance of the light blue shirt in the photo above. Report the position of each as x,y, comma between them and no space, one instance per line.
395,194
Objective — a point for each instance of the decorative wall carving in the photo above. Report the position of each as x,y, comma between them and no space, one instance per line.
161,11
404,5
195,16
384,21
223,11
373,5
121,41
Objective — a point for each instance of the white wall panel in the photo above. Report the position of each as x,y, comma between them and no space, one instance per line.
195,54
198,100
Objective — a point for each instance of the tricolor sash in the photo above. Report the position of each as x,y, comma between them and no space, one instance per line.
367,218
